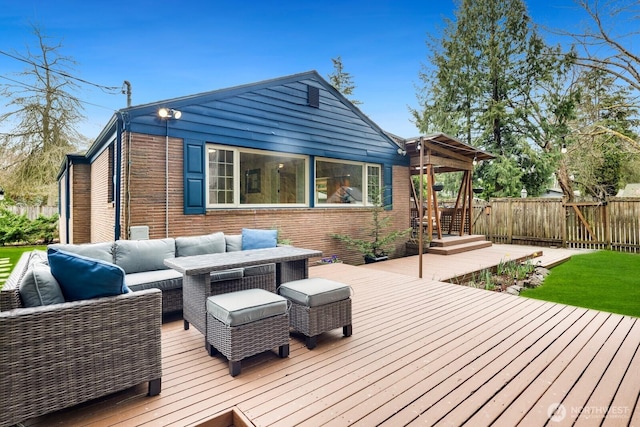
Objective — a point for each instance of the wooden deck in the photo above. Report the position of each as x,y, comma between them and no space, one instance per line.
422,352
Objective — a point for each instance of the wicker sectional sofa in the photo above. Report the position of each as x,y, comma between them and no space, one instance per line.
56,356
59,355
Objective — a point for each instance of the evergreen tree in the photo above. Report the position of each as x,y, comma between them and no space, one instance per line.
342,80
492,83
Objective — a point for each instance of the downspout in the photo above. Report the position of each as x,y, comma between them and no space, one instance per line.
166,180
117,180
67,202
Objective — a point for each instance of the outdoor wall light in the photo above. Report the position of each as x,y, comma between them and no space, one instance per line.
402,152
169,113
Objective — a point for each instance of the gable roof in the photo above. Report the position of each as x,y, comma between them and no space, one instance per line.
273,115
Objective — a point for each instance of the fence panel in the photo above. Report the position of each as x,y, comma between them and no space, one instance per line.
586,225
33,212
624,220
523,221
550,222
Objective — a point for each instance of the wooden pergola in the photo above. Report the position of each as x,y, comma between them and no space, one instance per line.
441,153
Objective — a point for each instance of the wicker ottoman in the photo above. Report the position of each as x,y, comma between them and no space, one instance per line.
241,324
318,305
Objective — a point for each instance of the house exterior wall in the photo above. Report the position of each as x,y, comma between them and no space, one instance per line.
80,203
272,116
305,227
102,210
143,199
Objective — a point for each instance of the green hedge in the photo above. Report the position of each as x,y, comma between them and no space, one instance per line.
18,229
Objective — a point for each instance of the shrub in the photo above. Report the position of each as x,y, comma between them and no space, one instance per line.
15,229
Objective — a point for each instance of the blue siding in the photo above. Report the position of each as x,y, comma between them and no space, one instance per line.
275,116
272,115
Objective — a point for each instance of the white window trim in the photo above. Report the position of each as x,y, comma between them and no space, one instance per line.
236,178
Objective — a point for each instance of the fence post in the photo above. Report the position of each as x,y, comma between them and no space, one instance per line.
564,225
510,222
607,229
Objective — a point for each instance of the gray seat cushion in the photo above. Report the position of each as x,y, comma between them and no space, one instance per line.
38,256
242,307
101,251
315,291
234,242
135,256
157,279
199,245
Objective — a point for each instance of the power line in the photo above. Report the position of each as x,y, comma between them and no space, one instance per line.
37,89
62,73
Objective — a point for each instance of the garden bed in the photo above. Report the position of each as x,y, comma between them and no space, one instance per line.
508,276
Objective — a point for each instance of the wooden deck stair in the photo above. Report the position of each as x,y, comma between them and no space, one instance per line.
450,245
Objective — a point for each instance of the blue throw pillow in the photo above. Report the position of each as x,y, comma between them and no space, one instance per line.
259,239
81,277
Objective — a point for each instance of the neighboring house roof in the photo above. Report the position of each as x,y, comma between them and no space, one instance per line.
552,193
630,190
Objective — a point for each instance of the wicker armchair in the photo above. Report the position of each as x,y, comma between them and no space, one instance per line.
56,356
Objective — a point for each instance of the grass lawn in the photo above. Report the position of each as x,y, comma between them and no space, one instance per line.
602,280
13,254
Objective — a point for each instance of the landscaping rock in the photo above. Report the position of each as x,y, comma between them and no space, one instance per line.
514,290
544,272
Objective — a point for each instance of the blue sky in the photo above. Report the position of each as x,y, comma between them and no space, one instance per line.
169,49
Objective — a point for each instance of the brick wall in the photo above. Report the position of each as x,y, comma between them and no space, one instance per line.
80,202
102,210
144,204
305,227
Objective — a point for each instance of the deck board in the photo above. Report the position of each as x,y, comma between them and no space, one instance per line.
422,352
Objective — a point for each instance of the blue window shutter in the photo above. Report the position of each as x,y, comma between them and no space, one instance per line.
388,187
194,177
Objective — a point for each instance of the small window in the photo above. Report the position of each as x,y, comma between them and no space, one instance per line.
221,177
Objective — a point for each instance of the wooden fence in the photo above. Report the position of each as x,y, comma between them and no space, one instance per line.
613,225
32,212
